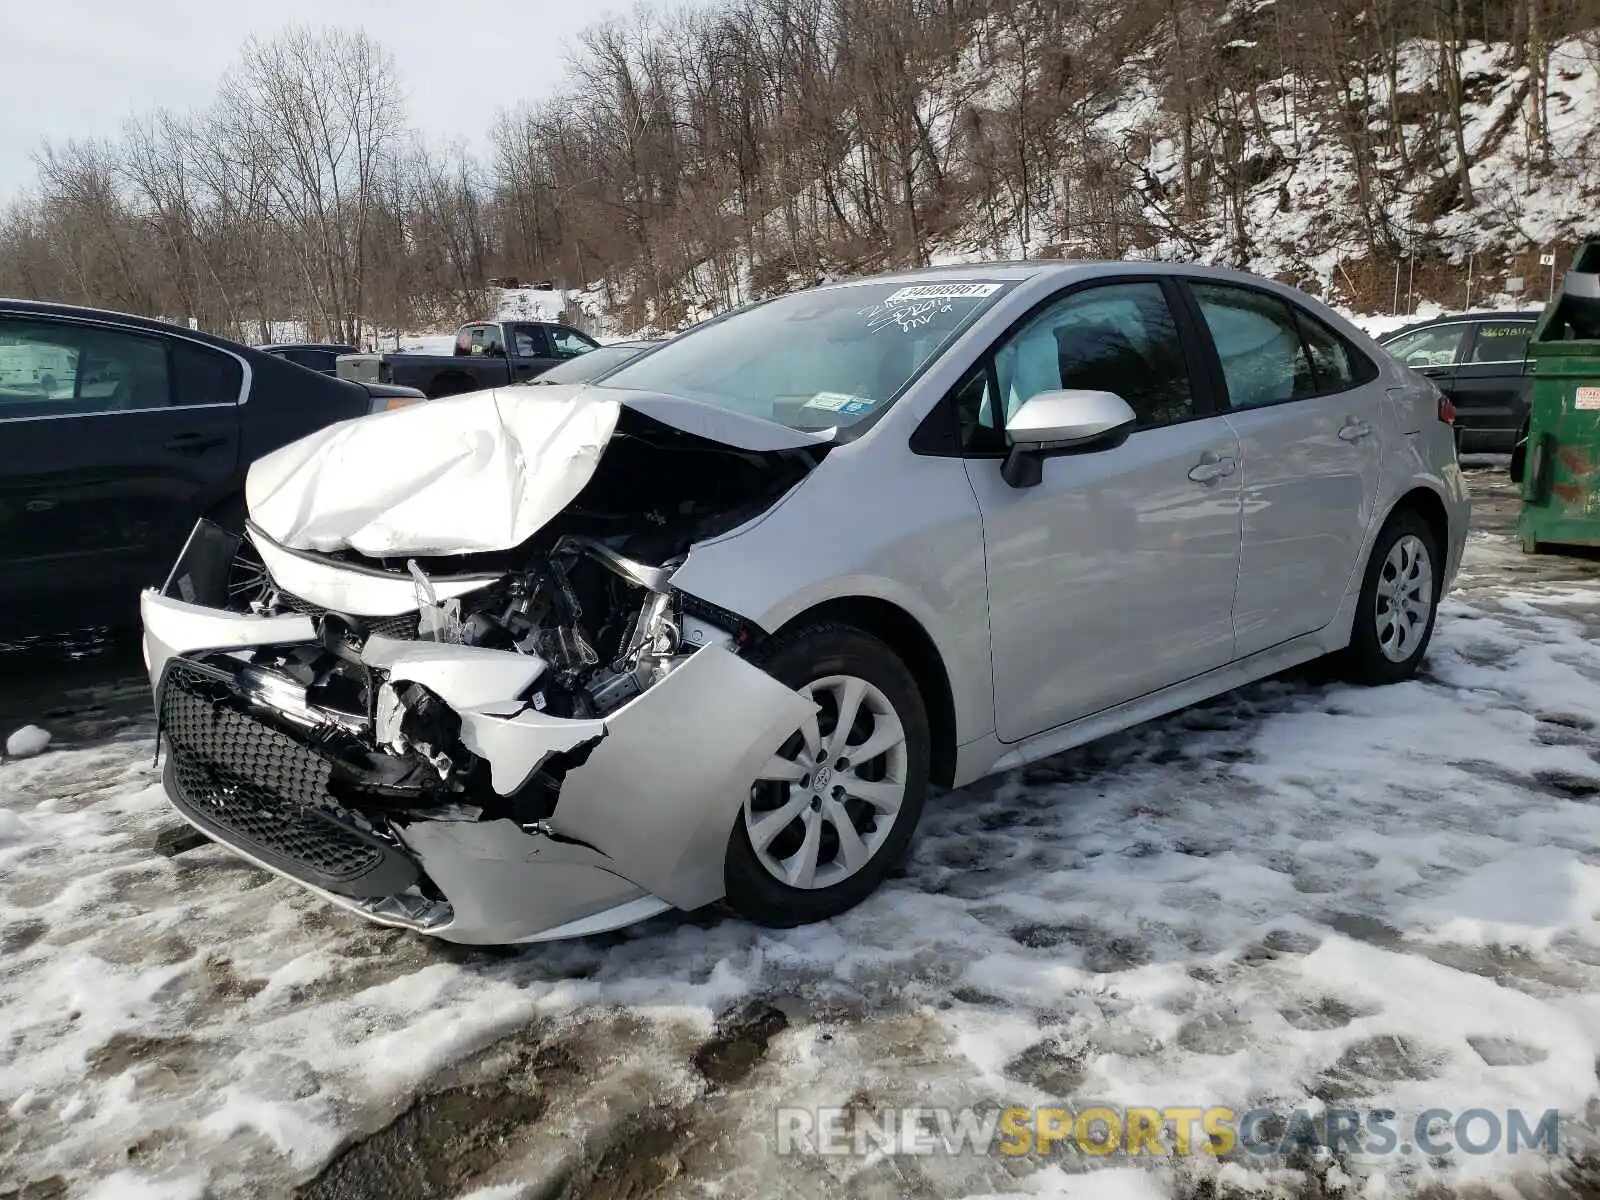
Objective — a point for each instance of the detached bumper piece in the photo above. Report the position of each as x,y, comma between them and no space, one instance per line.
265,793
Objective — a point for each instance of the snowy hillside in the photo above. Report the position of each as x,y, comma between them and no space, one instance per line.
1354,187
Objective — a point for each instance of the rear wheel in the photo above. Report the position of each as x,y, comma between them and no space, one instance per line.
452,383
1399,600
834,810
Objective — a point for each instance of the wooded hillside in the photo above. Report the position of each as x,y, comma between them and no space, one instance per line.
729,151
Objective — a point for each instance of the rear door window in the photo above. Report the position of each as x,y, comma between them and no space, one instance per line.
1438,346
1501,342
50,368
1264,359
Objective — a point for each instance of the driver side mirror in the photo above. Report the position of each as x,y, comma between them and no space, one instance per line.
1063,422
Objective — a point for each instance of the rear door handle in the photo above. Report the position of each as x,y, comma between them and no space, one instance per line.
39,505
194,443
1210,468
1354,430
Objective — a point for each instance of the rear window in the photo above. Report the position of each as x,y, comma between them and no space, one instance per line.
317,360
1502,341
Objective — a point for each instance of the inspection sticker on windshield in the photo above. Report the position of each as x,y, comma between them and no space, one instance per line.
1588,399
942,291
839,402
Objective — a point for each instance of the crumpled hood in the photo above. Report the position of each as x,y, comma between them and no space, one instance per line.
468,474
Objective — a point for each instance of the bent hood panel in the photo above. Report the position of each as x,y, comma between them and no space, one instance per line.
469,474
472,473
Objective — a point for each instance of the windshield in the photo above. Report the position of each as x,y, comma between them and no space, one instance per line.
814,359
590,365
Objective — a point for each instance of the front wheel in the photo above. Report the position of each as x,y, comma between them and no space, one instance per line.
1399,600
834,810
248,580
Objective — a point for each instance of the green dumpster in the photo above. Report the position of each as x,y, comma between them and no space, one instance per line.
1560,463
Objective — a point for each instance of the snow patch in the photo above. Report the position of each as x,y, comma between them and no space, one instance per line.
27,742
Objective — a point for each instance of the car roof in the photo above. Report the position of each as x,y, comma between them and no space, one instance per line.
1065,269
46,308
273,347
1529,315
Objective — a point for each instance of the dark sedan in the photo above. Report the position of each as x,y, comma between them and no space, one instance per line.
1479,360
118,433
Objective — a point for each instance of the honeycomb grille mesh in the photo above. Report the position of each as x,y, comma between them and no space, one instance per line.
257,783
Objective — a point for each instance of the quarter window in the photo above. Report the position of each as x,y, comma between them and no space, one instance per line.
201,375
1118,337
1264,360
1501,341
58,369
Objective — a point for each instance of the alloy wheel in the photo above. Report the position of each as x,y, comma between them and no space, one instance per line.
1404,598
827,801
248,580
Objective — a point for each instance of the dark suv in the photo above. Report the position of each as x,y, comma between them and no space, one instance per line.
1479,360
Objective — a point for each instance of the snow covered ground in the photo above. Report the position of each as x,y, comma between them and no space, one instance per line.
1300,894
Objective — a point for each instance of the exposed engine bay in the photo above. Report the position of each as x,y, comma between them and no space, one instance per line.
589,596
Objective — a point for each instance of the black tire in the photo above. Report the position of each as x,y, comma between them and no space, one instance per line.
1519,455
452,383
797,659
1364,660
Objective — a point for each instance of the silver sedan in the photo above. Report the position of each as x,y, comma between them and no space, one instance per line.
539,662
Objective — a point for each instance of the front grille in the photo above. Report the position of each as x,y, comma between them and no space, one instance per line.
402,627
255,786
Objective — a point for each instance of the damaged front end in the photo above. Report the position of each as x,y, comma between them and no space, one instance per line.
508,746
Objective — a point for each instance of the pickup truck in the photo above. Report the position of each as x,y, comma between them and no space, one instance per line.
487,354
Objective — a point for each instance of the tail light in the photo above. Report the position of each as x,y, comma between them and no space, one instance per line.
1447,410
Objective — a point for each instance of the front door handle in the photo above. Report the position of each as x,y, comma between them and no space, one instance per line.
39,504
1210,468
1354,430
194,443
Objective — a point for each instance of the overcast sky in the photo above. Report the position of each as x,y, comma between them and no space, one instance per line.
79,68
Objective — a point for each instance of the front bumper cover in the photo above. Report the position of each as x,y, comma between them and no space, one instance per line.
640,822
